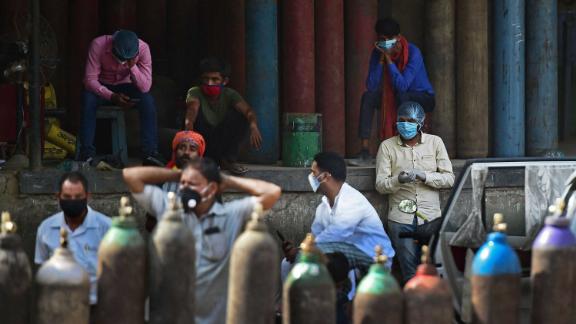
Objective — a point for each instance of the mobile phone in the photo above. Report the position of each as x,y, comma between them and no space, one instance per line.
134,100
280,236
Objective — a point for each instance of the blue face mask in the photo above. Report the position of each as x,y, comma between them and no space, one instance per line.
407,130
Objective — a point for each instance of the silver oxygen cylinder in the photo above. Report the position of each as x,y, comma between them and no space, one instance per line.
172,253
63,288
15,275
254,273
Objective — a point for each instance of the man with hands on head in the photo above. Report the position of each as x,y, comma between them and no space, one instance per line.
412,165
119,72
214,224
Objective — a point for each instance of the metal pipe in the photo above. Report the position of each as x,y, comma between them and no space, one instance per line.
541,76
35,136
262,75
440,51
508,82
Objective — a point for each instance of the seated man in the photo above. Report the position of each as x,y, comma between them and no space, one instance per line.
86,228
345,220
412,165
221,222
119,72
396,74
221,115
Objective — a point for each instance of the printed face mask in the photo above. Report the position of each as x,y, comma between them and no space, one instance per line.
407,130
387,44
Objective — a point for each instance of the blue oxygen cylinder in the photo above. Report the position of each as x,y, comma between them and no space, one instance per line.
496,277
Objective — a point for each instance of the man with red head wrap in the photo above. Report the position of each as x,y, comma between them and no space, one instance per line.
187,146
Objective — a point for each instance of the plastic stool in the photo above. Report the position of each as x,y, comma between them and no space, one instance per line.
116,116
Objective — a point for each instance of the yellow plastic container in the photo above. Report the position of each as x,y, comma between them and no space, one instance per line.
60,137
53,152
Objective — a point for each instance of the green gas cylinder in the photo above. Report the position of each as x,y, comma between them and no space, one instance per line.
63,288
172,268
309,295
15,275
379,298
254,273
121,271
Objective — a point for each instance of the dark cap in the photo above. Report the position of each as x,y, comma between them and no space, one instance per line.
125,44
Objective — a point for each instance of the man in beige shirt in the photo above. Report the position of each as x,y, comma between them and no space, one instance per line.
412,165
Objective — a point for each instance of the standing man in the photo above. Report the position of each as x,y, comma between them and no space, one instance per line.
86,227
412,165
221,115
119,72
396,75
215,225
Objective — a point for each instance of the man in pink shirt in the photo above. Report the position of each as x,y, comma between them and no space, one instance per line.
119,72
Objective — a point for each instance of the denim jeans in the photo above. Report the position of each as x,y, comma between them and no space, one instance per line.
407,250
371,101
146,107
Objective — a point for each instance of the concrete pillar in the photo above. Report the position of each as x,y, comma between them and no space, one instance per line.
298,79
472,63
509,73
541,76
360,17
440,50
262,75
330,88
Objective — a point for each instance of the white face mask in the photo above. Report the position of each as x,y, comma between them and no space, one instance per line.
314,182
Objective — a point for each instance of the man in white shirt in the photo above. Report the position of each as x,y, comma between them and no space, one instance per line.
215,225
85,227
345,220
412,165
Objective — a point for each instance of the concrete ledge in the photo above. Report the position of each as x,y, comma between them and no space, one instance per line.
290,179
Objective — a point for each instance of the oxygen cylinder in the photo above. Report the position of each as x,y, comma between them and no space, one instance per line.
172,268
15,275
121,271
253,274
496,279
63,288
553,271
379,298
309,295
428,298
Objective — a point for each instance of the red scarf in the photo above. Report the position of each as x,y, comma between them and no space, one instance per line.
388,113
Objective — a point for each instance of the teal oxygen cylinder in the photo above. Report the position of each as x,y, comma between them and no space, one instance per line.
496,275
379,297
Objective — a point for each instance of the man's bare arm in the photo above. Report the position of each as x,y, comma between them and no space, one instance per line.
266,193
137,177
192,108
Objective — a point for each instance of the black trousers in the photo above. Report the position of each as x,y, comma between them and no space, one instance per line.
372,101
222,140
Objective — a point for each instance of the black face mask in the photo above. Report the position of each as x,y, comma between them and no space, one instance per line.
190,199
73,208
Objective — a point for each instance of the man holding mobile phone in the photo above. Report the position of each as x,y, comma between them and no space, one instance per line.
396,75
119,72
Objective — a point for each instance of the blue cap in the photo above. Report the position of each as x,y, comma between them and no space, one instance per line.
125,44
413,110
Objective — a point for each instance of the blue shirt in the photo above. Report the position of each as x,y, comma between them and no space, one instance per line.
413,79
83,242
351,219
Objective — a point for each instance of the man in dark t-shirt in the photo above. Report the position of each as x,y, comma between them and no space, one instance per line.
221,115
